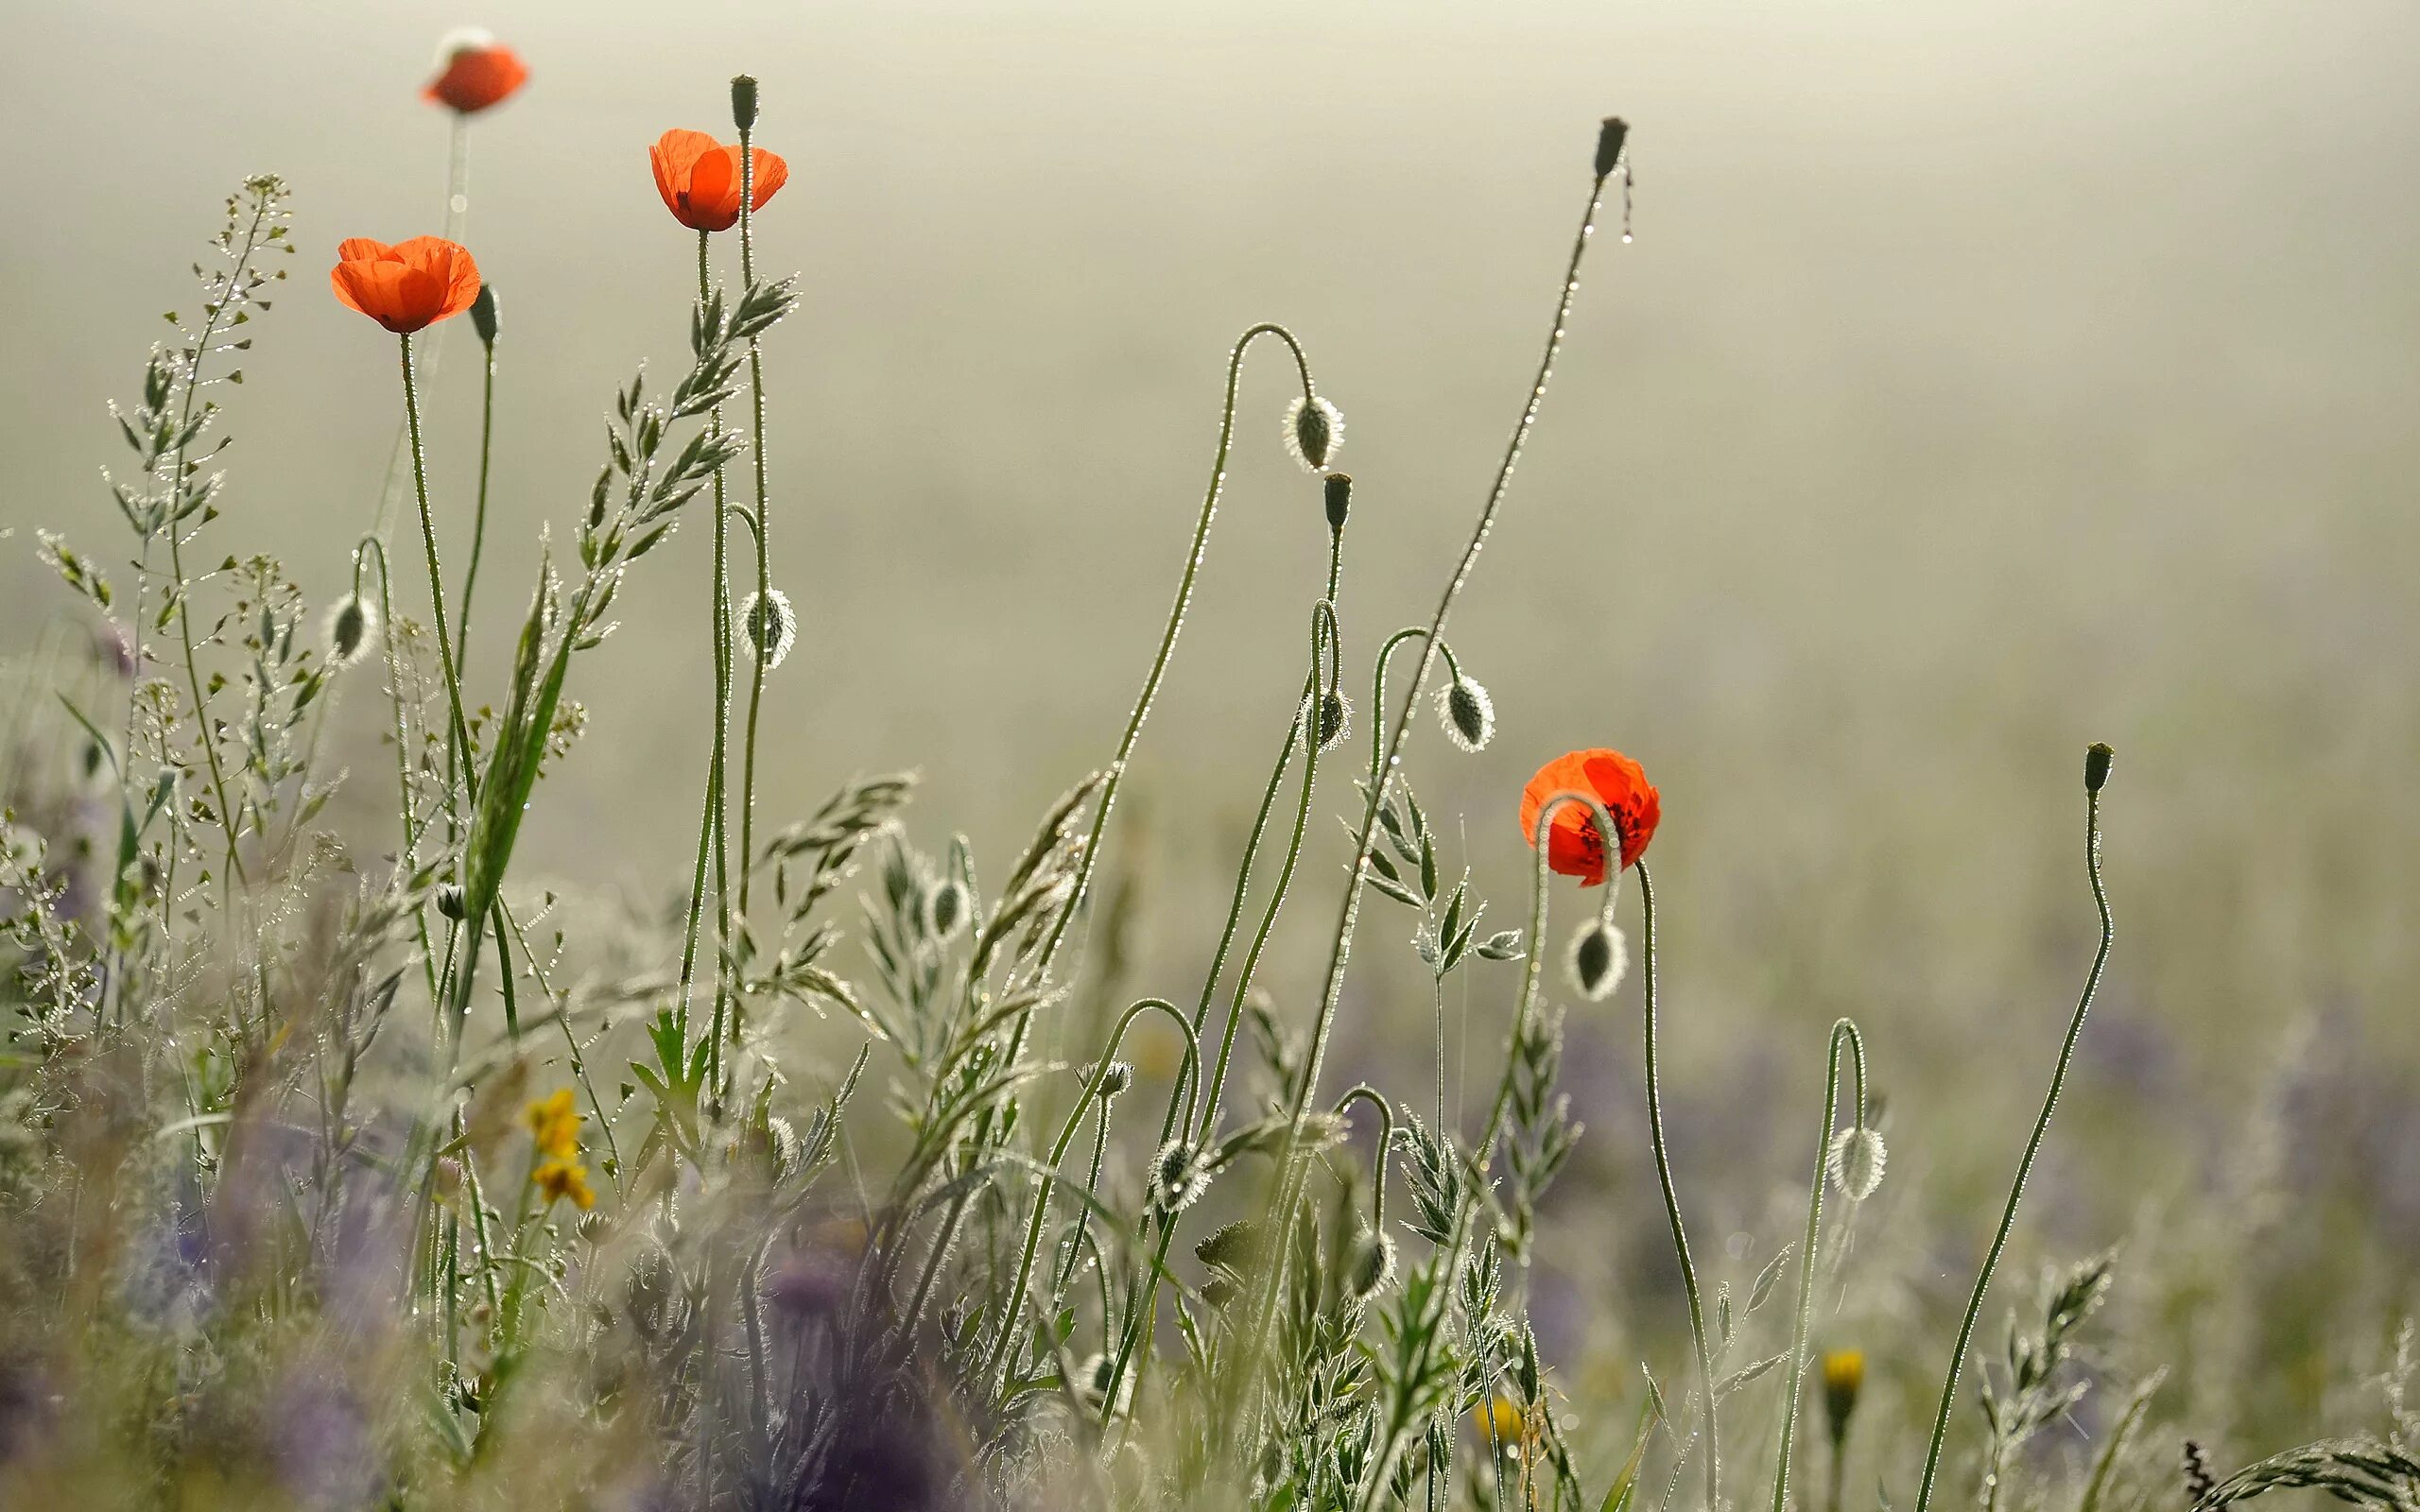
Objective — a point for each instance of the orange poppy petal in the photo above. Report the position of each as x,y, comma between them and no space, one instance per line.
772,173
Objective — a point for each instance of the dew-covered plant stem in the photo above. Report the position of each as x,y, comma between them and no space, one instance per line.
487,452
713,841
2096,772
1291,1169
1845,1038
761,656
1671,1195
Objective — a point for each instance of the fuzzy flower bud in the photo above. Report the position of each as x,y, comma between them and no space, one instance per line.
1179,1177
1334,720
1599,960
743,102
1117,1076
945,909
770,627
1314,431
1467,712
1370,1265
351,624
1854,1161
451,901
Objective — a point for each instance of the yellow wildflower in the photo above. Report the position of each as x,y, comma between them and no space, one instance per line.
1502,1421
561,1179
1844,1377
555,1125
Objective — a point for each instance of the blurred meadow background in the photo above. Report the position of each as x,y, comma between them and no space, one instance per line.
1983,381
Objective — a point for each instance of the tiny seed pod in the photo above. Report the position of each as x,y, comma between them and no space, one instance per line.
1117,1076
1179,1177
451,901
770,627
2095,766
1339,500
483,315
1314,432
743,102
1853,1163
945,909
351,624
1467,712
1599,960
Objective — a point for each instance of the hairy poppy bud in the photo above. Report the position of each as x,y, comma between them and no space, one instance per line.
1599,958
1314,430
1610,138
1844,1377
483,315
771,626
351,624
1333,721
1467,714
2095,766
1179,1177
743,102
451,901
945,909
1339,500
1372,1264
1854,1161
1115,1078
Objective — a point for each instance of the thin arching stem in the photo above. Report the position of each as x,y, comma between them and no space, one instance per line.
1290,1167
1844,1037
1672,1197
1189,1074
1364,1092
1534,966
2032,1147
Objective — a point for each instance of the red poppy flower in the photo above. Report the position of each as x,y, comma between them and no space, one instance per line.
699,178
1573,846
479,72
405,286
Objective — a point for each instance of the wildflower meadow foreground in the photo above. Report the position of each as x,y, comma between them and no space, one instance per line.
337,1171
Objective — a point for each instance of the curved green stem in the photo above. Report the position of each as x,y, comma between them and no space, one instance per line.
1672,1198
998,1367
1844,1035
1364,1092
2032,1147
1290,1185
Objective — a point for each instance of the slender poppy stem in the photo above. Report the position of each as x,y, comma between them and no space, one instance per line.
1291,1168
1844,1037
479,518
2032,1147
756,668
1534,966
712,835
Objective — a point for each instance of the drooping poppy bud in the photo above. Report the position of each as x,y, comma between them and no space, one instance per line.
1314,431
1467,714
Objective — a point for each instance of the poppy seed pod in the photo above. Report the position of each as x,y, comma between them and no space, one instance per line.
2095,766
771,626
1314,431
351,624
1610,138
1854,1161
1339,500
1599,960
483,315
1467,714
743,102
